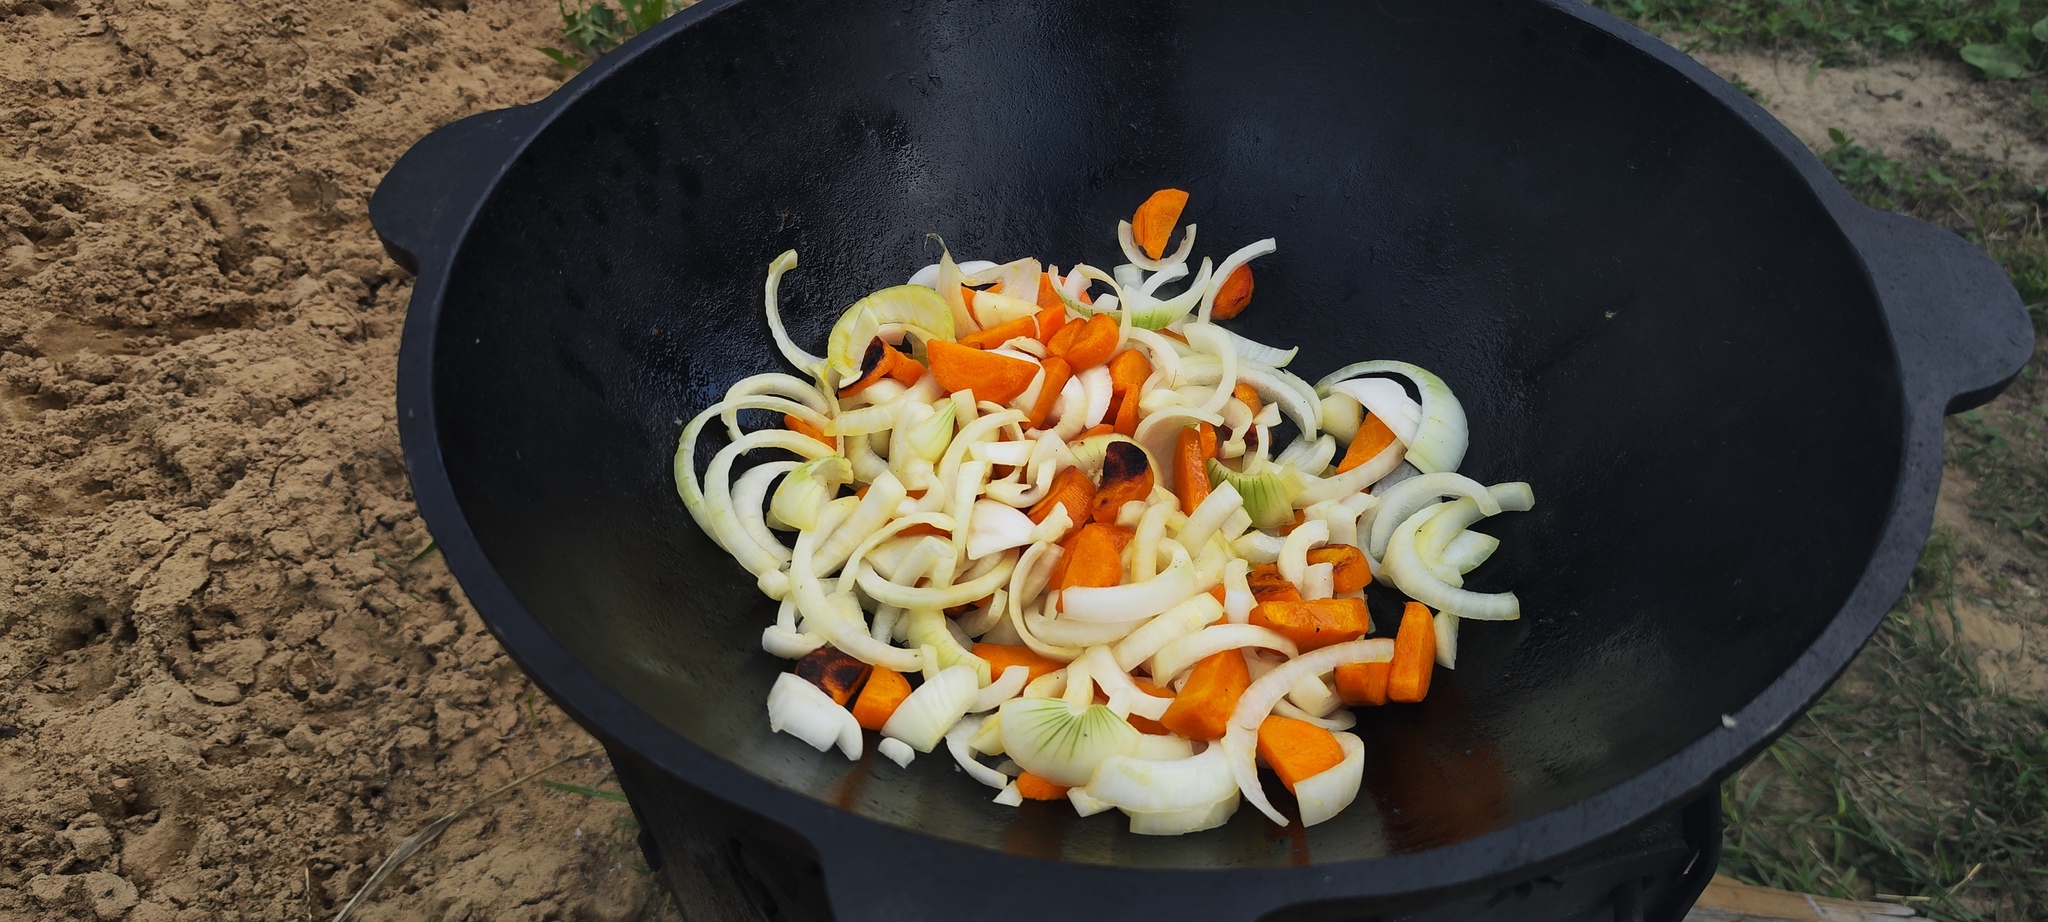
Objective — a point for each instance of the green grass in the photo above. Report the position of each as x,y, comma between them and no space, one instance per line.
595,28
2004,38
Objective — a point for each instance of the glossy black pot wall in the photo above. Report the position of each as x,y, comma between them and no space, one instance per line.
1724,378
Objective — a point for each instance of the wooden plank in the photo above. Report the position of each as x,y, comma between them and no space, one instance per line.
1727,900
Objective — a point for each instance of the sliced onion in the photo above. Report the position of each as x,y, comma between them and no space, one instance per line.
1244,254
1133,600
1237,591
1142,785
1336,720
1216,638
1295,398
1313,696
1146,313
806,490
1321,489
1010,796
896,751
1184,821
994,527
788,644
1051,741
1294,550
802,710
1388,400
957,744
929,275
804,361
1095,382
1440,441
871,515
1259,547
1318,581
1005,687
930,628
964,593
915,305
1326,793
1259,698
1446,631
1128,240
1115,683
933,708
751,492
1434,538
1341,417
1078,634
1085,805
1179,621
1162,747
1401,502
1468,550
1223,499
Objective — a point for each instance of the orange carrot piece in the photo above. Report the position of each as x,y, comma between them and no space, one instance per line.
1297,749
878,699
1250,396
1363,683
1233,295
1414,655
1269,586
1070,488
1216,592
992,377
883,361
1190,469
1372,438
1126,477
794,424
1127,374
1316,623
1001,333
1001,656
1347,565
1202,709
1153,223
1208,441
1092,345
839,675
1036,788
1094,558
1056,374
1300,516
1048,296
1063,338
1091,431
1049,321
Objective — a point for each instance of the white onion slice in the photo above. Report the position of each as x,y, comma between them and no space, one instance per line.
1237,591
896,751
1265,691
1254,351
1063,632
965,593
1446,630
1216,638
1084,804
1388,400
1096,384
1401,502
1128,240
1179,621
932,708
1294,550
1318,581
1184,821
1326,793
1408,573
1103,670
1441,440
1468,550
993,527
929,275
788,644
956,743
1156,746
1210,515
1336,720
1162,786
804,361
1009,796
800,709
1052,741
1006,686
1132,600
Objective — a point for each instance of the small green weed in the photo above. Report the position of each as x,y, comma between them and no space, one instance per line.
594,29
2003,38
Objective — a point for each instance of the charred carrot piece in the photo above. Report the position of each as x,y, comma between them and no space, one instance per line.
1363,683
1056,374
838,674
883,361
1297,749
794,424
1190,469
992,377
1249,395
1316,623
1202,709
1153,223
1373,437
1126,478
879,698
1414,655
1347,565
1070,488
1233,294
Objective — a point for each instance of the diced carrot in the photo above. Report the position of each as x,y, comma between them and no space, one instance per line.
1001,333
1092,345
1300,516
878,699
1056,374
1063,338
1153,223
1414,655
793,424
1049,321
1001,656
1249,395
1048,296
1233,294
1202,709
1347,565
1269,586
1127,374
1363,683
1208,441
1091,431
1126,477
1190,469
1036,788
1315,623
992,377
883,361
1094,558
1297,749
1070,488
1372,438
1217,592
967,296
838,674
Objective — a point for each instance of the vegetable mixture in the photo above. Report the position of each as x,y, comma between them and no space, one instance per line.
1040,519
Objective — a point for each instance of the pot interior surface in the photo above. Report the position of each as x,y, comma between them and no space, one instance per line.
1644,309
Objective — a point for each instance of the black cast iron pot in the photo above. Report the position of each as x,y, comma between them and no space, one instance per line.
1724,378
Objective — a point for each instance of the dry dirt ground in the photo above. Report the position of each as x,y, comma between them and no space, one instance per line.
230,679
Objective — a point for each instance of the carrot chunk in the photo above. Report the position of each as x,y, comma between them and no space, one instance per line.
1036,788
1057,371
1297,749
1269,586
1190,469
992,377
878,699
1202,709
1127,374
1093,343
1050,321
883,361
1250,396
1153,223
1094,558
1001,333
1315,623
1091,431
1001,656
1347,564
1233,294
1070,488
1363,683
794,424
838,674
1372,438
1126,477
1414,655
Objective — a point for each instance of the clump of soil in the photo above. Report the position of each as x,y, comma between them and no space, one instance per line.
230,679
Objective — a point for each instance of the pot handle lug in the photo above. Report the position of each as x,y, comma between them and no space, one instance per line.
418,206
1960,328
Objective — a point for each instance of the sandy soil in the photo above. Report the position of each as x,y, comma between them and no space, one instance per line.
220,682
226,685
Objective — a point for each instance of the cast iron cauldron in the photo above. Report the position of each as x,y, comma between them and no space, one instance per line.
1724,378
